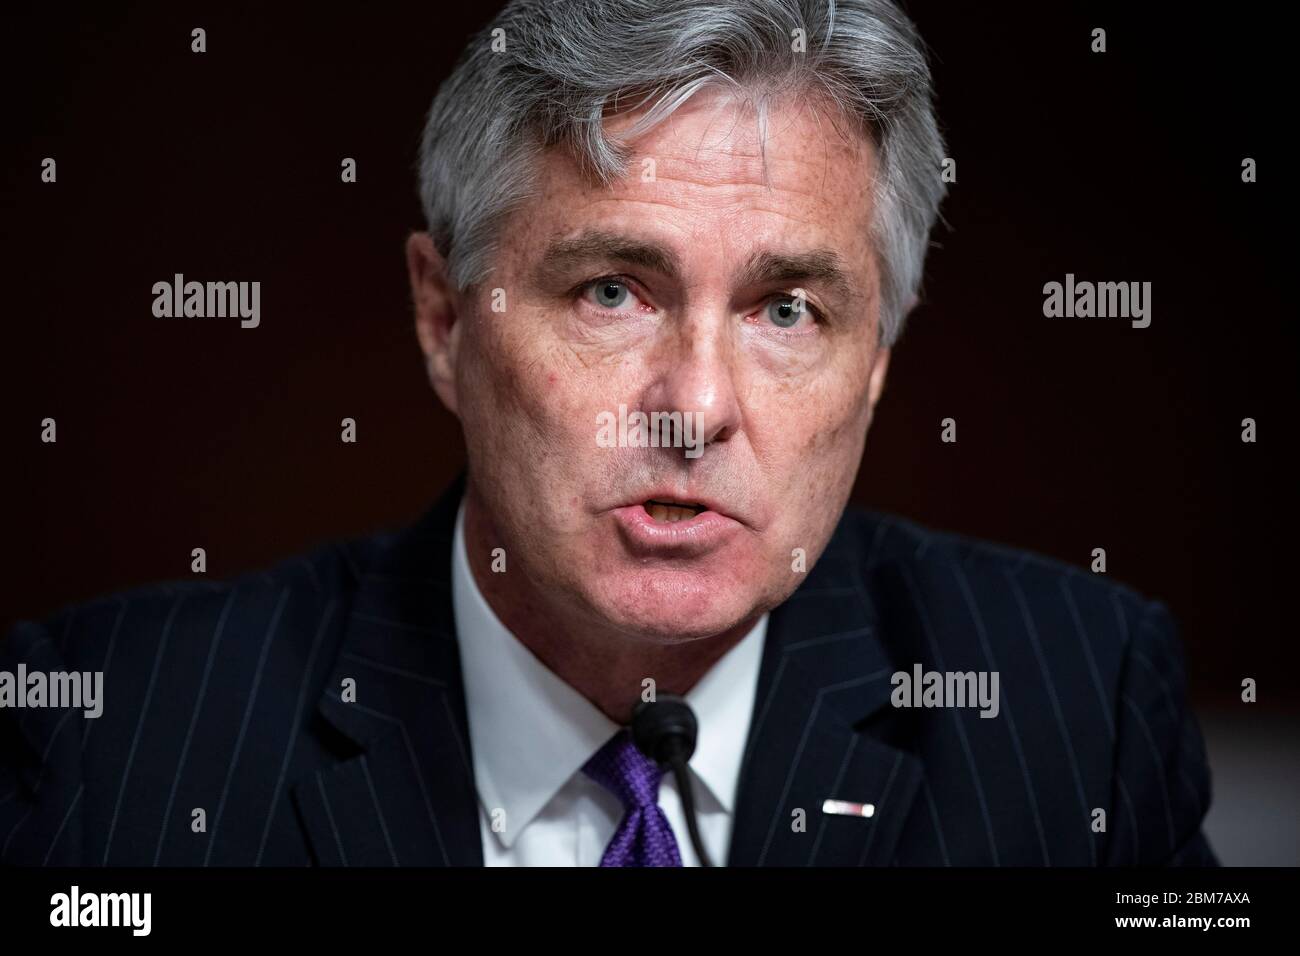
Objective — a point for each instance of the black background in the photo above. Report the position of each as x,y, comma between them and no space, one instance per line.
1072,433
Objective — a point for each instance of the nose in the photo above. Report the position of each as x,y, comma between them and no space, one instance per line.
698,375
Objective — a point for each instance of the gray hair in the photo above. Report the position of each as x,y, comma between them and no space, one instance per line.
566,64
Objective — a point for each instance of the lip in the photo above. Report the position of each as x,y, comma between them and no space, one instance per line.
691,537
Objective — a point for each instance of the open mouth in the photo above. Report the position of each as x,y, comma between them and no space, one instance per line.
669,527
670,512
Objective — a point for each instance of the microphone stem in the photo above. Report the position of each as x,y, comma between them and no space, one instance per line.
688,807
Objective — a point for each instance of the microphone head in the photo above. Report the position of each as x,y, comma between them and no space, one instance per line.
664,729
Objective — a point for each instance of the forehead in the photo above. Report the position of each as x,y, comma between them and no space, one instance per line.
716,171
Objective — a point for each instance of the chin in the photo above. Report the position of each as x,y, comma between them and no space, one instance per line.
672,607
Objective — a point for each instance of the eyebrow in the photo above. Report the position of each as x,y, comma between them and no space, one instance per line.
822,266
595,246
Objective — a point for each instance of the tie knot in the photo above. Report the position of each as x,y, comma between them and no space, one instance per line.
626,772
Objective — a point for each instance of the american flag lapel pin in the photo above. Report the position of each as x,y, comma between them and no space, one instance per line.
844,808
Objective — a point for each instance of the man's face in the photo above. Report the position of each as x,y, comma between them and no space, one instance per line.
672,291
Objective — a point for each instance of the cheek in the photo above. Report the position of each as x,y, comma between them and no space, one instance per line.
820,452
497,411
822,425
852,393
534,399
508,370
846,422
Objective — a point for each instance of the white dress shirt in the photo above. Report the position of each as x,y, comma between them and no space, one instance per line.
530,733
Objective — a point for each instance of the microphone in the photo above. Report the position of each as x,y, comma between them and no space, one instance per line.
664,730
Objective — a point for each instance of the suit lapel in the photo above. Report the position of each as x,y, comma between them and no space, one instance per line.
406,794
825,674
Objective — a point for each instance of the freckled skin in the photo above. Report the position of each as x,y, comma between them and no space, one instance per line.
786,412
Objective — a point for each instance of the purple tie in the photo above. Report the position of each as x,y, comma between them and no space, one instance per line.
643,838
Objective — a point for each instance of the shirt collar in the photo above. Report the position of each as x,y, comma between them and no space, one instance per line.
530,732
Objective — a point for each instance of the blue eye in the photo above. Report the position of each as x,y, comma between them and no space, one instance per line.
609,293
785,311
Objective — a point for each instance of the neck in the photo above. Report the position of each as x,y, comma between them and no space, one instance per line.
605,665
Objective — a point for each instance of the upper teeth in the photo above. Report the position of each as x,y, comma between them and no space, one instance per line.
670,513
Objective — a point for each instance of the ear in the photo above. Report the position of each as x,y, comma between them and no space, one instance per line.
876,381
436,313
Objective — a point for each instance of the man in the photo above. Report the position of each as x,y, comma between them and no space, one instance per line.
670,247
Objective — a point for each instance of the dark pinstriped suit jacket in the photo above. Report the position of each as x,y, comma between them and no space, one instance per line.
226,697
